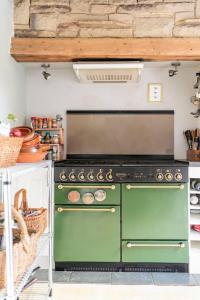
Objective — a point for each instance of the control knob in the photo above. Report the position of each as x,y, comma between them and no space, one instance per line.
109,176
100,175
90,176
168,176
72,176
63,176
81,176
178,176
159,176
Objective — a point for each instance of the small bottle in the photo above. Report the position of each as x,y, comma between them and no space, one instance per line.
55,139
45,124
33,122
49,122
47,138
194,200
40,123
195,185
54,123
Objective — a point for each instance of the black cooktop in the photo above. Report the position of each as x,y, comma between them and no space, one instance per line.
120,162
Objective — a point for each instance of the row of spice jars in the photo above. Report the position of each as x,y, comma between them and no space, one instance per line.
37,122
47,138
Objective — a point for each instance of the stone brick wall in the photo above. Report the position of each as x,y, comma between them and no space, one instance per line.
107,18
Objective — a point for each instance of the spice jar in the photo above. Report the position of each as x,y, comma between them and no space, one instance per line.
33,122
55,139
45,124
47,138
49,122
40,123
54,123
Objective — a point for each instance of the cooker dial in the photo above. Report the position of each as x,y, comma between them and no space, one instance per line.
72,176
159,176
90,176
100,175
109,175
178,176
168,176
81,176
63,176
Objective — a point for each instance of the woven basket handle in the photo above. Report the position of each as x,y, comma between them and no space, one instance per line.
24,237
24,202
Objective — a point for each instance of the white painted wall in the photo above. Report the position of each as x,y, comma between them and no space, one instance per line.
12,74
63,92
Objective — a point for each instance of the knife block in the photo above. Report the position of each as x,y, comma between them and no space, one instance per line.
193,155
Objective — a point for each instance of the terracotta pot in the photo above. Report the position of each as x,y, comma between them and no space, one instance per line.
31,157
30,149
27,133
32,142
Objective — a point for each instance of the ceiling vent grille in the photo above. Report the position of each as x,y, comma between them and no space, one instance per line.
106,72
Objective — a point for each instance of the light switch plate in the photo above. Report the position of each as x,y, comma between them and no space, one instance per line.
155,92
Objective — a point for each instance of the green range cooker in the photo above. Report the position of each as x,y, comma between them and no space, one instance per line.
119,212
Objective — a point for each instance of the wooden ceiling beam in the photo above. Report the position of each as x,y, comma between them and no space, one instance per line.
73,49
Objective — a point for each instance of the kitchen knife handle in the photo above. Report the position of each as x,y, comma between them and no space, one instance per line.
180,186
61,186
61,209
179,245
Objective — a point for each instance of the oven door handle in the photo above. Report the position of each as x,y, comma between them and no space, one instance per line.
61,186
179,245
61,209
179,186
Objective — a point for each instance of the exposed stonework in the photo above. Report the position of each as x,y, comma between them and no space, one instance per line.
153,27
106,32
197,11
21,12
103,9
107,18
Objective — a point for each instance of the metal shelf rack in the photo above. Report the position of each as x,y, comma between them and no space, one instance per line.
13,291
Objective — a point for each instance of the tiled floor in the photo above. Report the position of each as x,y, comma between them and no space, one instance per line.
123,278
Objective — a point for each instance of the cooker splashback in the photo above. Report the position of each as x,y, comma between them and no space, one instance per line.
146,133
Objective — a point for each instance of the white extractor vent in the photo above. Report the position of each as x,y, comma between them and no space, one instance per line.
117,72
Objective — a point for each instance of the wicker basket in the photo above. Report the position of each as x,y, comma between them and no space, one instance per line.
9,150
37,223
24,251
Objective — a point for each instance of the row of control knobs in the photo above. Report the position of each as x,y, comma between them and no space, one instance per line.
169,176
90,176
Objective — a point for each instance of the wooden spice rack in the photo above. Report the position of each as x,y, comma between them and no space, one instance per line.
60,145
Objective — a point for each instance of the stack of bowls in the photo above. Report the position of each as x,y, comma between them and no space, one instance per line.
31,150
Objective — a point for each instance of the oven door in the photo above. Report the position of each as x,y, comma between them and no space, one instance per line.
154,212
87,233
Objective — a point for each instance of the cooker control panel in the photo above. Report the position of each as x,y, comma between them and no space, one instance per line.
121,174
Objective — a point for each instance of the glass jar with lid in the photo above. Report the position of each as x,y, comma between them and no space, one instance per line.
55,139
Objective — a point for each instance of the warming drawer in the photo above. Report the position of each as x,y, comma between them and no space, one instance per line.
155,212
87,233
155,251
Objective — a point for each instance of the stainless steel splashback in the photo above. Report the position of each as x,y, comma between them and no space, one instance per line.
120,133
